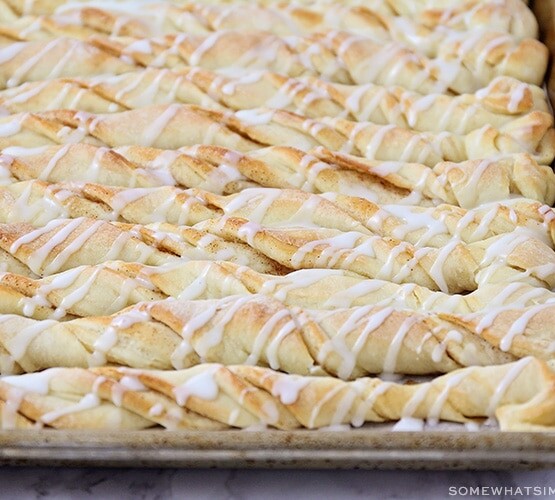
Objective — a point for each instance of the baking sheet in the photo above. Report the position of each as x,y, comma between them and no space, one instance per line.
373,447
447,446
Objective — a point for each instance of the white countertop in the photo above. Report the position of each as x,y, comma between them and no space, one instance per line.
29,483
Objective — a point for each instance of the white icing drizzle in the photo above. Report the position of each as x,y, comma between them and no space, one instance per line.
126,383
288,388
436,270
512,374
11,127
45,174
255,116
346,298
409,424
33,235
202,386
207,44
38,383
439,349
78,294
109,338
156,128
407,421
24,68
415,220
117,246
519,326
317,408
43,209
62,257
17,345
359,416
335,247
249,230
10,51
263,335
189,329
10,409
87,402
272,350
364,318
390,360
214,335
197,287
452,381
156,410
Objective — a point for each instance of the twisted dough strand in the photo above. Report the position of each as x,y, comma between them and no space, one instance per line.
454,268
520,395
168,126
337,56
111,286
259,330
220,170
39,202
199,19
503,100
67,243
511,16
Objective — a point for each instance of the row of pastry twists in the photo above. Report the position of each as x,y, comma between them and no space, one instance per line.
466,184
338,56
497,104
213,397
251,215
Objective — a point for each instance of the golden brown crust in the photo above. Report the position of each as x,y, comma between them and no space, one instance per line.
250,130
341,57
500,102
520,395
39,202
221,170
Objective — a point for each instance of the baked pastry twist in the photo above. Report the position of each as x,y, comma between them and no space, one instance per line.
168,127
520,395
29,62
111,286
175,334
39,202
338,56
511,16
454,268
503,100
498,103
220,170
257,329
66,243
346,58
199,19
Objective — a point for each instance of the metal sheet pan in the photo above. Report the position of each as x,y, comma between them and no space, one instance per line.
373,447
445,447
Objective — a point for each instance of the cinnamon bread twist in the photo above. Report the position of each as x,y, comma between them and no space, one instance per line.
93,290
259,330
220,170
67,243
174,126
39,202
503,100
338,56
520,395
